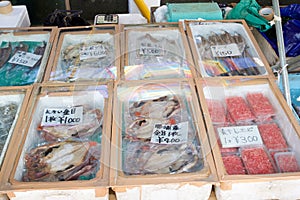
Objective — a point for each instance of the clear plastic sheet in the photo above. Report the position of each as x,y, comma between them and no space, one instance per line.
225,49
10,105
85,56
14,74
240,146
147,108
155,54
64,151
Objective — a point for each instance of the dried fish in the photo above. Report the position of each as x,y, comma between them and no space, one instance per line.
7,117
40,50
5,54
92,120
61,161
149,158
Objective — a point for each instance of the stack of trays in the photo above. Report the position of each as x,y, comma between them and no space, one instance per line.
254,138
66,143
85,54
159,143
24,55
159,51
225,48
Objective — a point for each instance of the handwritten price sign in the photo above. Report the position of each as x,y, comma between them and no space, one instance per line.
237,136
93,51
148,49
170,134
24,58
62,116
225,50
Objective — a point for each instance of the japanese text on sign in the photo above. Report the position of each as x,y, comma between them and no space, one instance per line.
92,51
62,116
170,134
148,49
225,50
237,136
24,58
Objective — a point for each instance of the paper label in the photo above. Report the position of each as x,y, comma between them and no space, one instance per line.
148,49
92,51
225,50
237,136
170,134
62,116
24,58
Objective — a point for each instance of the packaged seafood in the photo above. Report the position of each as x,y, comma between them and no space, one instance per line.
66,137
248,155
85,54
158,135
225,48
159,51
13,103
24,55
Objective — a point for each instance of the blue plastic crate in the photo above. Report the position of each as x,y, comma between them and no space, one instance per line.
208,11
294,81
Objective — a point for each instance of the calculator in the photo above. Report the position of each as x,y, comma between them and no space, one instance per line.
106,19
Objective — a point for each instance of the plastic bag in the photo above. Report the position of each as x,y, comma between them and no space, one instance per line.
249,10
65,18
291,31
291,11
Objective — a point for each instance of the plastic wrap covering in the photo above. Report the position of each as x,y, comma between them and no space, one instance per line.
23,57
225,49
158,133
85,55
64,137
156,53
253,132
10,105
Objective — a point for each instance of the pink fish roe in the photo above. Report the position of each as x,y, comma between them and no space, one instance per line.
239,110
260,106
233,165
272,136
257,161
216,111
286,162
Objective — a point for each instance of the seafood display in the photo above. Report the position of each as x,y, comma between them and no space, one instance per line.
226,51
92,59
17,72
92,120
177,148
254,140
155,54
7,117
62,161
64,142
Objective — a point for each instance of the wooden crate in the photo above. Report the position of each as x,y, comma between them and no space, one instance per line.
20,96
31,40
256,183
89,53
127,178
155,51
229,49
91,97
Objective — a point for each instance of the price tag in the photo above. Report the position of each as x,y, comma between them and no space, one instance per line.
170,134
24,58
62,116
92,51
148,49
237,136
225,50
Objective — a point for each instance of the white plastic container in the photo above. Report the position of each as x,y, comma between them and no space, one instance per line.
17,18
